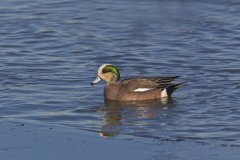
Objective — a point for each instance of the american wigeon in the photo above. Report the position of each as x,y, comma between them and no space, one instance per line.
134,89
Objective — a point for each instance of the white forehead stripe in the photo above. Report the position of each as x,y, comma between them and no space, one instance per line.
142,89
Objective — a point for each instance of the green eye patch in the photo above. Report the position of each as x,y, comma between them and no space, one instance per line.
113,69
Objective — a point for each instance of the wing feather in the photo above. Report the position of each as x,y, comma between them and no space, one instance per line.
148,82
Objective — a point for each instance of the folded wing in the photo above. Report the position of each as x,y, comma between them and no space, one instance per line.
141,84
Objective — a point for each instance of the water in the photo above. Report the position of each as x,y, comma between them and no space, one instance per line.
50,52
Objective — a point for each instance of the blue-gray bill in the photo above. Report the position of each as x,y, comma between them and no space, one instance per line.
96,80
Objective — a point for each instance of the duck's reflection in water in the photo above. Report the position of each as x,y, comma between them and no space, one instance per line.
119,114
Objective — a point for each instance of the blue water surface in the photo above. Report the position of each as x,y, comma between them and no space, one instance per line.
51,50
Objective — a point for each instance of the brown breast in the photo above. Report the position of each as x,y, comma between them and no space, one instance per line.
111,91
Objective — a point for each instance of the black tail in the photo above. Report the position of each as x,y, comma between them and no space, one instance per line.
170,89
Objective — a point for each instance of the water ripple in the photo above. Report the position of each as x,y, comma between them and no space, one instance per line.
50,52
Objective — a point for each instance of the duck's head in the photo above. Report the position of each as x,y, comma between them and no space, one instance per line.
108,73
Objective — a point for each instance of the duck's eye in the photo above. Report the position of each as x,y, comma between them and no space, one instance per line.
104,71
107,69
111,69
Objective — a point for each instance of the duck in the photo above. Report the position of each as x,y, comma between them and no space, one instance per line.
134,88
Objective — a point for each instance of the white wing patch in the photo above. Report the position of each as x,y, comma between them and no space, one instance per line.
142,89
